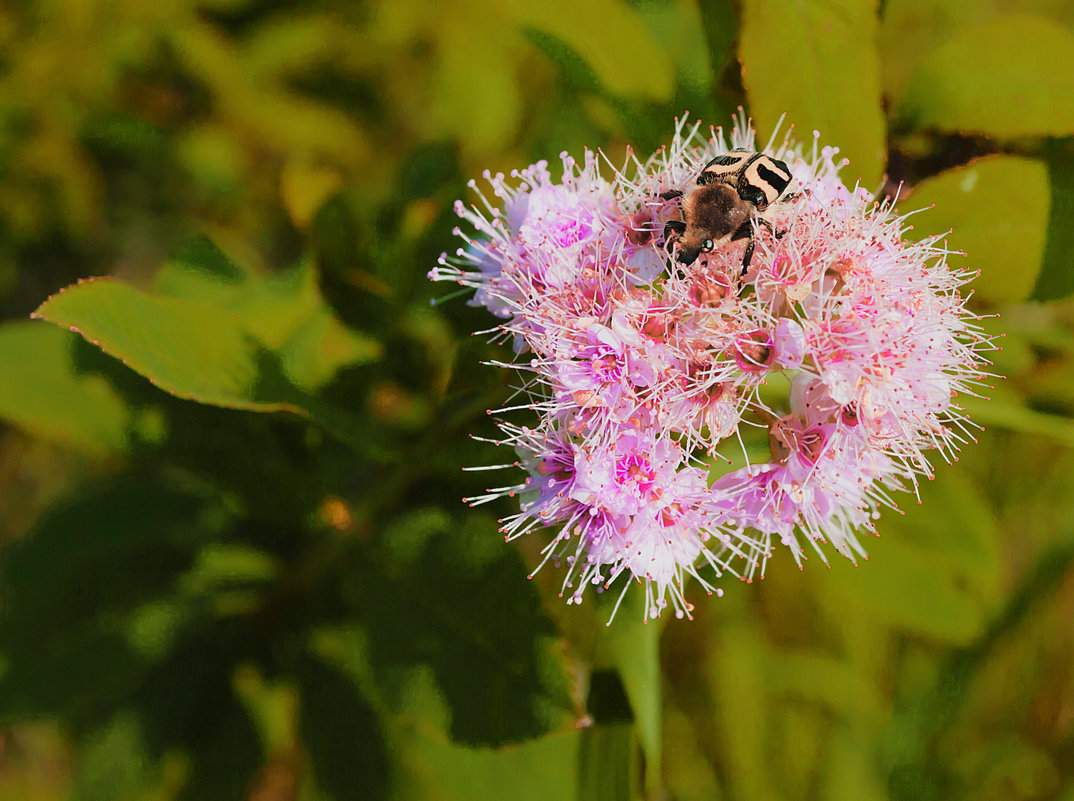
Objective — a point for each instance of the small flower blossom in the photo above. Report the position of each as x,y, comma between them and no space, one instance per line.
844,347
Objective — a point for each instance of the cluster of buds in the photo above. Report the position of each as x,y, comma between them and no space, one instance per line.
841,351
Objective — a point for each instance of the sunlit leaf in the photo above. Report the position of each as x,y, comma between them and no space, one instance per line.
612,39
911,29
838,685
284,312
304,187
689,775
192,350
283,119
42,391
1029,91
735,680
818,64
226,340
997,212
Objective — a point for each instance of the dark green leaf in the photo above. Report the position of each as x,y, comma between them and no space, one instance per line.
112,548
74,590
225,752
78,675
341,731
201,255
187,702
471,616
719,23
1056,279
818,63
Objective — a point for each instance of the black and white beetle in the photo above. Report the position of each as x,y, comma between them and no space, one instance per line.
718,210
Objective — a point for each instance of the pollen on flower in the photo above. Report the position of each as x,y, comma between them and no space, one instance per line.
643,375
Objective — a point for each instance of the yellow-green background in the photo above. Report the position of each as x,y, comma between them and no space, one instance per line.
235,564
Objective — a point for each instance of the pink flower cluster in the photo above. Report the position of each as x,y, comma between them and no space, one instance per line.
827,371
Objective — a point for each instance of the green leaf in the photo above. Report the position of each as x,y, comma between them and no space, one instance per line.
911,29
633,645
612,39
933,572
109,548
719,24
73,589
473,619
284,312
819,64
536,770
1056,279
42,391
996,210
697,38
838,685
607,769
1008,77
690,775
427,764
191,349
1007,410
220,337
225,752
111,764
341,731
735,680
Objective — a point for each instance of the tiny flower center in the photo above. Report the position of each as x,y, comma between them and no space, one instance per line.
607,367
754,351
635,469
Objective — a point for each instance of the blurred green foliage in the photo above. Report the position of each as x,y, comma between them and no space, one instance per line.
235,564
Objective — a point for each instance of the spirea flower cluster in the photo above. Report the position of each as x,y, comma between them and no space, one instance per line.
644,383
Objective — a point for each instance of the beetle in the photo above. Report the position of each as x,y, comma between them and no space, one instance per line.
720,208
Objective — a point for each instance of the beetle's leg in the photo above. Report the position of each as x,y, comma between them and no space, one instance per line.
671,194
748,256
673,229
745,231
